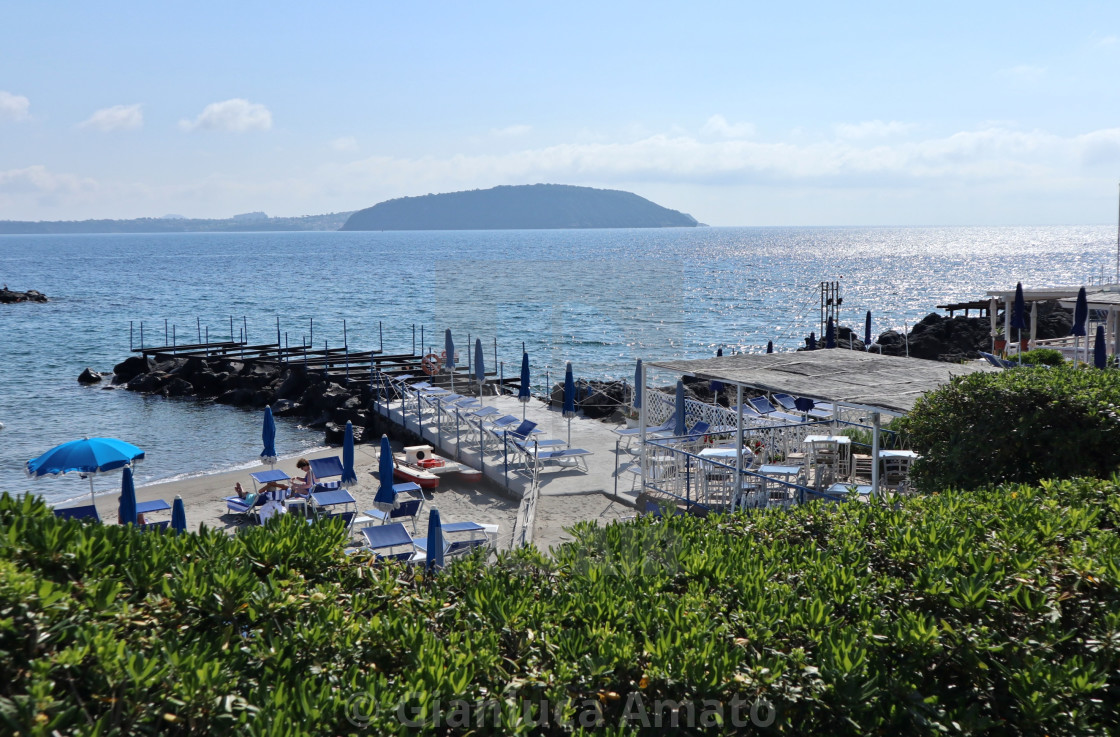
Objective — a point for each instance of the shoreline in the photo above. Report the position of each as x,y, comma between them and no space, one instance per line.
203,499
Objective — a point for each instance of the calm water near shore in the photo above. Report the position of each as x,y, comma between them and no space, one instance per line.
597,298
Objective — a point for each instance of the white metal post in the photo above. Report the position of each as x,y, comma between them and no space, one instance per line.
739,450
875,423
642,427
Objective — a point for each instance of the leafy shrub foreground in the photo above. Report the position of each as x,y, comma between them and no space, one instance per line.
1019,425
990,612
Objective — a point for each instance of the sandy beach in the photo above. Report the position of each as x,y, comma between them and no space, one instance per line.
456,501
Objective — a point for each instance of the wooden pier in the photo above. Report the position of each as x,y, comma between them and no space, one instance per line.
338,365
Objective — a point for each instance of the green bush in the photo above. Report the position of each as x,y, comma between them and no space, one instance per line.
1041,357
996,611
1017,425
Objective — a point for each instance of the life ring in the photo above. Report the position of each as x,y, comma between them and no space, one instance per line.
430,364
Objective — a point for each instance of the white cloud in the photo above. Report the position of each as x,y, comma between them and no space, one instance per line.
1105,41
872,129
13,107
116,118
511,131
982,155
345,144
40,180
717,125
236,116
1023,72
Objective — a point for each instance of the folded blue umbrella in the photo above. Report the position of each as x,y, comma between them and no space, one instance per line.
867,330
1100,357
678,417
479,368
268,435
128,498
830,335
638,385
1080,314
569,392
435,542
348,475
178,515
523,391
386,498
812,341
769,346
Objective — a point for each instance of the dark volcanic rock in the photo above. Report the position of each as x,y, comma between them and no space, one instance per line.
130,368
7,296
177,387
293,384
236,397
147,382
335,433
939,338
209,384
169,365
286,408
89,376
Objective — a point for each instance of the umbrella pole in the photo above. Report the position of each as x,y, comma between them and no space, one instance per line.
569,432
91,499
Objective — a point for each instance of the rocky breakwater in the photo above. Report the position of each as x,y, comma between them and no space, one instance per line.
290,389
953,339
956,339
7,296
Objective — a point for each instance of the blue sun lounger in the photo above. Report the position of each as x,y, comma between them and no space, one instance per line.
996,360
87,512
386,537
325,468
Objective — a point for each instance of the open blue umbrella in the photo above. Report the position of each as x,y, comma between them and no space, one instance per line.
386,498
479,368
178,515
449,355
127,514
830,335
434,560
812,341
678,417
268,435
867,330
348,475
1100,358
769,346
569,409
88,457
636,402
523,390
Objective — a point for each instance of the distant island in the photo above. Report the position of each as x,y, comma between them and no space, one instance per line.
527,207
250,221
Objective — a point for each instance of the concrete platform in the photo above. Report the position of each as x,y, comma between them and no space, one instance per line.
559,487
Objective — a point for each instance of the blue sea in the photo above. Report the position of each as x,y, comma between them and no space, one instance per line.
597,298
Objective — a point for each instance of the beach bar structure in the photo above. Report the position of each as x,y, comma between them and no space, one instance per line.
860,386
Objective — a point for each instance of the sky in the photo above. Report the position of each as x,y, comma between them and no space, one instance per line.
738,113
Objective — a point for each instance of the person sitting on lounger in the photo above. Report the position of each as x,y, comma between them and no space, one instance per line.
302,485
267,487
